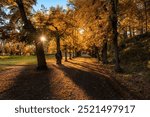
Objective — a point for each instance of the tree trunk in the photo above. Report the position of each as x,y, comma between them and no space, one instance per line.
66,53
104,53
70,55
30,28
125,37
130,30
94,51
3,47
146,17
73,54
40,56
59,53
133,32
98,55
125,34
114,21
141,29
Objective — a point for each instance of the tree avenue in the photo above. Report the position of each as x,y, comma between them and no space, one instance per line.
99,28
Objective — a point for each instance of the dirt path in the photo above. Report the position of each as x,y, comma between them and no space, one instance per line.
80,78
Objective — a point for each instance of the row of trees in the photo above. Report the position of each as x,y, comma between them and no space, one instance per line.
109,23
86,25
53,23
16,48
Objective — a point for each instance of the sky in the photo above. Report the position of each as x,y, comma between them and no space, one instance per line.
49,3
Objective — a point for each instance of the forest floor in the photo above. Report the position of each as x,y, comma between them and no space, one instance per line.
80,78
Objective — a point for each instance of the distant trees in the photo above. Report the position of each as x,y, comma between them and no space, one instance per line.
99,18
111,23
133,16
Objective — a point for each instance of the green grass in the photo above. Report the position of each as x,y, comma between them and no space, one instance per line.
6,61
17,60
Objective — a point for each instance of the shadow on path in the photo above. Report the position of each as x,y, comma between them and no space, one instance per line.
85,65
121,91
60,82
94,85
29,85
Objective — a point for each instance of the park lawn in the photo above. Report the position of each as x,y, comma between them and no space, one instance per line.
17,60
7,61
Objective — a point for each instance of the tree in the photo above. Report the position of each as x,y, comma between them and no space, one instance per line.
30,28
114,23
58,23
23,8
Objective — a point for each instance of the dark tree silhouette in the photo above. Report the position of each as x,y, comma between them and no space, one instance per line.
114,22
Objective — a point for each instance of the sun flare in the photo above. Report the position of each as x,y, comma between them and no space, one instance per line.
43,38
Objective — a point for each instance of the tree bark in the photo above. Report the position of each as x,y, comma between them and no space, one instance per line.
73,54
133,32
114,21
146,17
94,51
66,53
59,53
130,30
125,34
70,55
125,37
142,31
98,55
104,53
41,61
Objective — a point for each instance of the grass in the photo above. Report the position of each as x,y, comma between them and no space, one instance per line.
7,61
17,60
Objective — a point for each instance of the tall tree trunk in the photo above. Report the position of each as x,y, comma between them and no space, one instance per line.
146,17
66,53
125,34
94,51
141,29
70,55
104,52
3,47
125,37
41,61
98,55
73,54
114,21
130,30
133,32
59,53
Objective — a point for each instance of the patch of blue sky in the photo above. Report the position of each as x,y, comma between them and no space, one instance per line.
50,3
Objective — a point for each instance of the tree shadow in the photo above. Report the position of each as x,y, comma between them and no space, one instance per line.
29,85
94,85
33,85
84,64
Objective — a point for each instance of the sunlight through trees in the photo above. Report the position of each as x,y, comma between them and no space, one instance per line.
97,28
